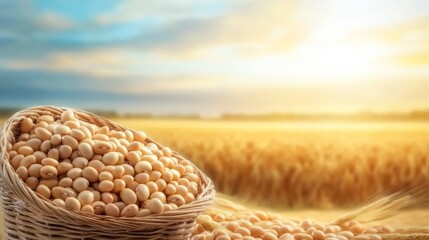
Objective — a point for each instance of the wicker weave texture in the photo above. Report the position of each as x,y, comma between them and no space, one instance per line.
28,215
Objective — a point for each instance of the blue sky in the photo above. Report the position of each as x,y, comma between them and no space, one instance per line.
210,57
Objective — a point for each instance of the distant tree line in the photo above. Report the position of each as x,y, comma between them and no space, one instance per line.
415,115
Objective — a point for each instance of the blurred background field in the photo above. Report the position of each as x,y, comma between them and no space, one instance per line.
299,165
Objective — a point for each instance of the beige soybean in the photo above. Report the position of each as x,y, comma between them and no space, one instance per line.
167,175
124,142
26,125
16,160
39,156
80,184
70,141
110,158
72,124
86,132
149,158
34,144
22,172
67,115
105,176
19,144
27,161
77,134
72,204
43,134
117,134
54,153
120,205
140,136
128,169
74,173
65,182
181,190
133,157
57,191
160,195
100,137
142,192
48,172
85,150
97,195
65,151
101,147
25,150
85,197
181,169
143,166
62,130
170,189
118,171
143,212
64,167
32,182
90,173
107,197
130,210
134,146
128,179
44,191
161,184
156,206
87,209
45,118
24,137
112,210
68,192
129,135
46,146
49,162
97,164
177,199
119,185
89,141
109,169
50,182
80,162
123,150
157,166
98,207
153,187
128,196
154,175
75,154
56,139
59,202
106,186
142,178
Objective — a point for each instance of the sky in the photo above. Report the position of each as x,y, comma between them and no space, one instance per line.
211,57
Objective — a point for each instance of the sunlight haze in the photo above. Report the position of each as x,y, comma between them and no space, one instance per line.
210,57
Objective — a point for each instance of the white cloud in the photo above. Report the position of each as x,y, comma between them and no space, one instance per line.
54,21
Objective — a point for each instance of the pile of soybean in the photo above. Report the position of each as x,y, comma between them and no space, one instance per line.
265,226
83,167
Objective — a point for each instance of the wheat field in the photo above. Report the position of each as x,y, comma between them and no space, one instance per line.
300,165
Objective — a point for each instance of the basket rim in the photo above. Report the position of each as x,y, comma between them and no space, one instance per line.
46,207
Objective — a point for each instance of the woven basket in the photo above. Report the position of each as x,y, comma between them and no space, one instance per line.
28,215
